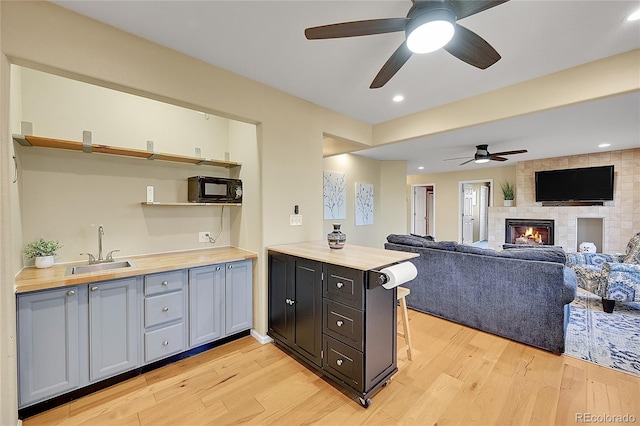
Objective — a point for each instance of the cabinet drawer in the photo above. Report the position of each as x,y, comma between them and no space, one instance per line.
343,362
163,308
164,342
344,285
343,323
163,283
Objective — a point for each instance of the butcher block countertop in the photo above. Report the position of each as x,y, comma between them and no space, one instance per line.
351,256
32,279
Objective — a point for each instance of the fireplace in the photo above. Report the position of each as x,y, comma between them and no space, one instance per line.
529,231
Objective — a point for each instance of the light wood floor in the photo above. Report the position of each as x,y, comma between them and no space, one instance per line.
457,376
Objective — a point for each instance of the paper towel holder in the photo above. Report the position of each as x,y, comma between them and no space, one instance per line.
377,278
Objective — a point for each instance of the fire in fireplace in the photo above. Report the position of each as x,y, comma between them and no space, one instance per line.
529,231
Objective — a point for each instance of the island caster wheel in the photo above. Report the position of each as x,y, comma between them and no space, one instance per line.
365,402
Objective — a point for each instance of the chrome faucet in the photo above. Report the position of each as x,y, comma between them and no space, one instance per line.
92,258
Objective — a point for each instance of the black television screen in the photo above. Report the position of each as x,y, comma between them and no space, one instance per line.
581,184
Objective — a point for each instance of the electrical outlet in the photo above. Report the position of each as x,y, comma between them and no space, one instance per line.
203,237
295,220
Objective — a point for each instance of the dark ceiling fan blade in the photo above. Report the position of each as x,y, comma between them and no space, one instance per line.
391,67
464,8
494,157
356,28
520,151
468,161
471,48
456,158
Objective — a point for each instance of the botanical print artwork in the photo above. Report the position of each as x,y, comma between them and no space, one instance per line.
364,204
335,195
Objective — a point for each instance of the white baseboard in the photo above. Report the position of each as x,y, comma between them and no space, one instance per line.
260,338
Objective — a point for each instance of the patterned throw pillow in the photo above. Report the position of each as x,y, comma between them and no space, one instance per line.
633,250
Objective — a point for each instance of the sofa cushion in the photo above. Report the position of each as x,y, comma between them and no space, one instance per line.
426,237
633,250
417,241
546,255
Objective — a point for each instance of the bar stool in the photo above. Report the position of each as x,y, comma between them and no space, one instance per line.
402,293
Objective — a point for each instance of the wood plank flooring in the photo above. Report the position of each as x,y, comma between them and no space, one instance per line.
458,376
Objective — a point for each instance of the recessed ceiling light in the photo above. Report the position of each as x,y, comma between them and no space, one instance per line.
421,168
634,16
398,98
604,145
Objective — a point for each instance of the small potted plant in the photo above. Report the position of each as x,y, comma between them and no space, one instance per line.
507,193
43,252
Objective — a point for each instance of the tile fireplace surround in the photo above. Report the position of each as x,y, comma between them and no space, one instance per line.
621,217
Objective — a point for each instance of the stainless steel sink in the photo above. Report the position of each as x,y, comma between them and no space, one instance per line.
85,269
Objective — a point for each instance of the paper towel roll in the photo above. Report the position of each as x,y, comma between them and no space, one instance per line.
399,274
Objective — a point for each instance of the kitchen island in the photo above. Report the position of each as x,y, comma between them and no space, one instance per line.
328,308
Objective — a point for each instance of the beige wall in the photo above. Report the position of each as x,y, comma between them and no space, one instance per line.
621,217
43,36
388,179
447,195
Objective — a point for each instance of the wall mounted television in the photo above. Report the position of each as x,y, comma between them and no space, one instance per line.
575,185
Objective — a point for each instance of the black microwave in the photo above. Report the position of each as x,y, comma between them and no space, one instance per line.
207,189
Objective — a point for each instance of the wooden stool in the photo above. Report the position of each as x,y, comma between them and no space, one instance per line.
402,293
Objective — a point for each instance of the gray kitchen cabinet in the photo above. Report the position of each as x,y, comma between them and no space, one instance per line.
206,304
220,301
164,314
75,336
113,327
48,339
238,296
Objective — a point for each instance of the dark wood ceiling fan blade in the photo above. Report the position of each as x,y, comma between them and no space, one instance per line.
456,158
464,8
494,157
468,161
356,28
471,48
391,67
519,151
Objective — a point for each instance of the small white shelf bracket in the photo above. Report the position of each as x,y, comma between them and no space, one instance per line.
86,141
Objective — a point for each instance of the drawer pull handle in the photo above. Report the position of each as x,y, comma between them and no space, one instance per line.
217,268
230,266
290,302
339,362
339,285
71,292
339,323
165,309
165,283
165,343
94,288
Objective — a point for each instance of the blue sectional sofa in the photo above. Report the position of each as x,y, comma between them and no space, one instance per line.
522,294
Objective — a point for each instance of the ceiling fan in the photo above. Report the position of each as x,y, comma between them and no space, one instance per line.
429,26
483,155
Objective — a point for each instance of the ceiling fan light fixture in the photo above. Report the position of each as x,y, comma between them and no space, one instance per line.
481,160
430,30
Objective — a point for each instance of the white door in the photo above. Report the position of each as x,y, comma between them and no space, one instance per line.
467,214
430,215
420,210
484,213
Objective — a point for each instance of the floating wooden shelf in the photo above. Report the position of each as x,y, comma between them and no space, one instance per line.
155,203
28,140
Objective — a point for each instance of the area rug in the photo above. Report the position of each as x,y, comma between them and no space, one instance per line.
610,340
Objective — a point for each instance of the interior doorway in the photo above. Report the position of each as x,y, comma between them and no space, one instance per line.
423,209
475,199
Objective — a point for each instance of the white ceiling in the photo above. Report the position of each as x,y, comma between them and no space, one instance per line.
264,40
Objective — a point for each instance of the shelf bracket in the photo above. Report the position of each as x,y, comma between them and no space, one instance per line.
86,141
154,154
26,128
